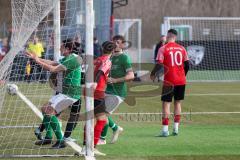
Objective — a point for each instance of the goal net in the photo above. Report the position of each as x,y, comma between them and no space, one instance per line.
212,44
131,29
34,22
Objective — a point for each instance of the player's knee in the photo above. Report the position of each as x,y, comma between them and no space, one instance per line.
101,116
177,103
44,108
166,115
48,110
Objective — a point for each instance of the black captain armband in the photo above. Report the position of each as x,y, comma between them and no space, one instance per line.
98,75
186,67
156,68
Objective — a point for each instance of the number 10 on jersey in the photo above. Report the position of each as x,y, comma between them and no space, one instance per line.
176,58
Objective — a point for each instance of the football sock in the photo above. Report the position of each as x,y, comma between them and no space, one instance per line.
176,122
112,124
46,123
84,135
71,124
56,127
98,129
165,122
104,131
41,126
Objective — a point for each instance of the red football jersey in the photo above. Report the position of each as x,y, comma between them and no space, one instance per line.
104,64
173,56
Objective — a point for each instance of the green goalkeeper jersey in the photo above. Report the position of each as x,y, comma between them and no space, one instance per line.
72,77
121,64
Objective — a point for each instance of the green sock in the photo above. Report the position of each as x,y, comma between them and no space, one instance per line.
104,132
46,123
56,128
112,124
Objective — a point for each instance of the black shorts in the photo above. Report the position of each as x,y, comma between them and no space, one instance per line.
76,107
82,78
168,92
99,106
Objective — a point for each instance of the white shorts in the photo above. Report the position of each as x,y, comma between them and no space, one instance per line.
112,102
61,102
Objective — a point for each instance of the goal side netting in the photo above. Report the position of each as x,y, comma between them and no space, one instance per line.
131,29
212,44
20,112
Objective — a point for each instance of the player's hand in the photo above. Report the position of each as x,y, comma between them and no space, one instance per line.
112,80
152,77
37,59
94,86
30,55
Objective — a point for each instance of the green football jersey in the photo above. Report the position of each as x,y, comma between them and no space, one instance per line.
72,76
121,64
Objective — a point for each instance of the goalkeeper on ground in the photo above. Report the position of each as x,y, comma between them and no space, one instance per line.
68,94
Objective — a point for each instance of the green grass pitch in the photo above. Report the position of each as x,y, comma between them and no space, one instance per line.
208,136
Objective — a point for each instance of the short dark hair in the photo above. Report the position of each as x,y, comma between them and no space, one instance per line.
173,31
68,43
119,37
108,46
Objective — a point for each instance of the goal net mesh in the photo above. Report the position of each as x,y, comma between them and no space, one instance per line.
212,45
33,19
131,30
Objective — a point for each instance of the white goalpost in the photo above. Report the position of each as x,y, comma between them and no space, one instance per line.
51,21
212,44
89,80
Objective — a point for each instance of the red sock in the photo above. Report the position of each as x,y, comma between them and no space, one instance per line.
177,118
165,121
98,130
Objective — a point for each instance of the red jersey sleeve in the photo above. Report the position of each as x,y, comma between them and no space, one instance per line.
160,55
106,66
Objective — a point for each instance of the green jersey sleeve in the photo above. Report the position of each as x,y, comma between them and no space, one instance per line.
127,63
70,62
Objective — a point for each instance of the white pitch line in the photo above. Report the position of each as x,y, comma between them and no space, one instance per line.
128,114
33,156
213,94
183,113
7,127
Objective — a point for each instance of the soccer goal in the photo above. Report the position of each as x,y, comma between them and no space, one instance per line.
24,86
131,29
212,44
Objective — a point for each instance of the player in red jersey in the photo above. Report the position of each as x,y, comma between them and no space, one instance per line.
173,57
102,68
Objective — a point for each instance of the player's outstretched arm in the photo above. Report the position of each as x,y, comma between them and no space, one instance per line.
128,77
51,68
33,56
49,62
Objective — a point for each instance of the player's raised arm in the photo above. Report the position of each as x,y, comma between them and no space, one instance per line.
51,68
32,55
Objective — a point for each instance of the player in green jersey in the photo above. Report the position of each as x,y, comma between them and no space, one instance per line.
68,93
121,72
